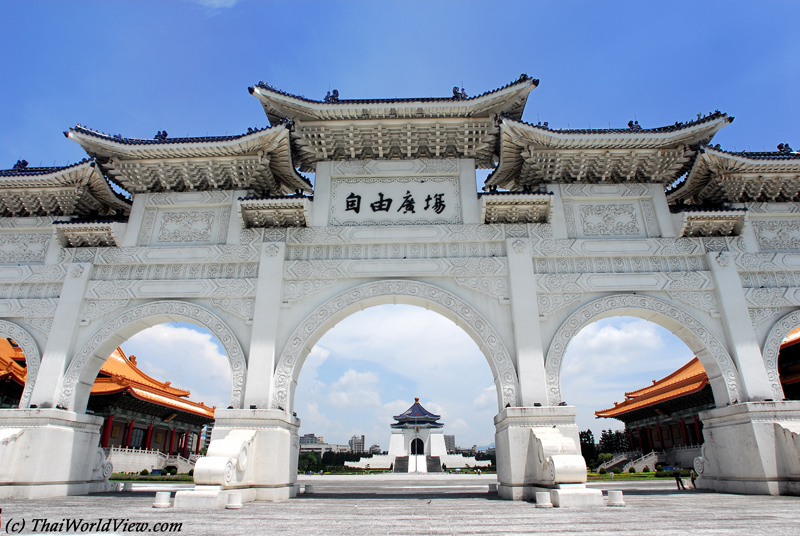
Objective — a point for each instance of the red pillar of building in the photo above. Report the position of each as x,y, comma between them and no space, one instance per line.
171,442
128,434
185,450
106,431
660,435
630,439
149,436
197,447
684,435
699,433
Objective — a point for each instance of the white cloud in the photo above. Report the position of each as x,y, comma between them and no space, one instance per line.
215,4
486,399
355,389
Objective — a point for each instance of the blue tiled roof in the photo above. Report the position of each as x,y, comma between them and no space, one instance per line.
416,414
137,141
32,171
669,128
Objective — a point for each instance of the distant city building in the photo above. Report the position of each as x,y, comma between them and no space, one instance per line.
310,439
417,445
450,443
356,444
322,448
375,449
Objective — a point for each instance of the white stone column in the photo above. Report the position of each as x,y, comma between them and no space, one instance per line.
263,340
470,204
525,317
743,344
322,195
61,339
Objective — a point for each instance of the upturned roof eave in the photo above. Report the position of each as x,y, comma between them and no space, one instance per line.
521,135
279,105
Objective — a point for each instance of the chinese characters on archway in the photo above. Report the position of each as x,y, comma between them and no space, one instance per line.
433,202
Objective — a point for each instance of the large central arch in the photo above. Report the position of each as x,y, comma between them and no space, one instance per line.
708,349
79,377
408,292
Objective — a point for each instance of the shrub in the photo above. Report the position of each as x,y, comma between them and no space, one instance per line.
144,472
659,467
602,471
632,470
645,469
191,472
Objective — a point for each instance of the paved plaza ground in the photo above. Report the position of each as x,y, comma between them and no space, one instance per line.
439,505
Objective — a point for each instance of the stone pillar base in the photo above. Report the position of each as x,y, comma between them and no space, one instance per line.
751,448
51,453
538,450
252,451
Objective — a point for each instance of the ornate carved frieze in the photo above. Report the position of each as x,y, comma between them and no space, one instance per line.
177,271
377,167
146,228
772,347
189,288
772,297
496,287
16,307
40,324
30,290
186,226
42,273
18,248
92,309
274,235
593,191
758,315
297,290
186,254
616,219
513,208
397,251
456,266
702,337
631,247
402,234
218,197
239,307
703,300
551,303
26,223
620,265
395,201
777,234
773,208
491,344
32,355
580,282
769,279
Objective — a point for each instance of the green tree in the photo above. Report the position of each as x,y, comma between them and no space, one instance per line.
588,447
309,461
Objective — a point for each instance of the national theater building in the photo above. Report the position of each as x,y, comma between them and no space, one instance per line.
139,413
570,226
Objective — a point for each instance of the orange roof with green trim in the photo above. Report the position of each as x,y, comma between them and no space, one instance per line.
689,379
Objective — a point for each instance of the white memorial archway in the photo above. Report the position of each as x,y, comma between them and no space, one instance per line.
571,226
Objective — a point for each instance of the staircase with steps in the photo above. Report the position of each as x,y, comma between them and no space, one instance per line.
434,464
401,464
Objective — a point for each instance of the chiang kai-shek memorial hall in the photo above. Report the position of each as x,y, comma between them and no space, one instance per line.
571,226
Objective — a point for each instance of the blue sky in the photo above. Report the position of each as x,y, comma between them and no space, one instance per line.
135,68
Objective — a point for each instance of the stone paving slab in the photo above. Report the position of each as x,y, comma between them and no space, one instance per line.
442,505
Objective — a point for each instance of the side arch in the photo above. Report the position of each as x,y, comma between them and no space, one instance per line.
772,348
408,292
86,364
32,356
708,349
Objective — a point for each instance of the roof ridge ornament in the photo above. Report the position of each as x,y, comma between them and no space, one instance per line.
332,97
634,126
161,135
784,148
22,164
459,95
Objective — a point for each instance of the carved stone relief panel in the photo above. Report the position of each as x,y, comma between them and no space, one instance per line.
23,247
397,251
612,219
777,234
186,226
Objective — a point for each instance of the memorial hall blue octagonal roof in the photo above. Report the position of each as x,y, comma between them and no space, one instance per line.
416,415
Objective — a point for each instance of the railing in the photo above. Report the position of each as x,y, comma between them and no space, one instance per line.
650,457
134,450
613,461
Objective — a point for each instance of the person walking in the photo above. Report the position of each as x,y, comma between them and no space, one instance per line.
676,472
693,477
